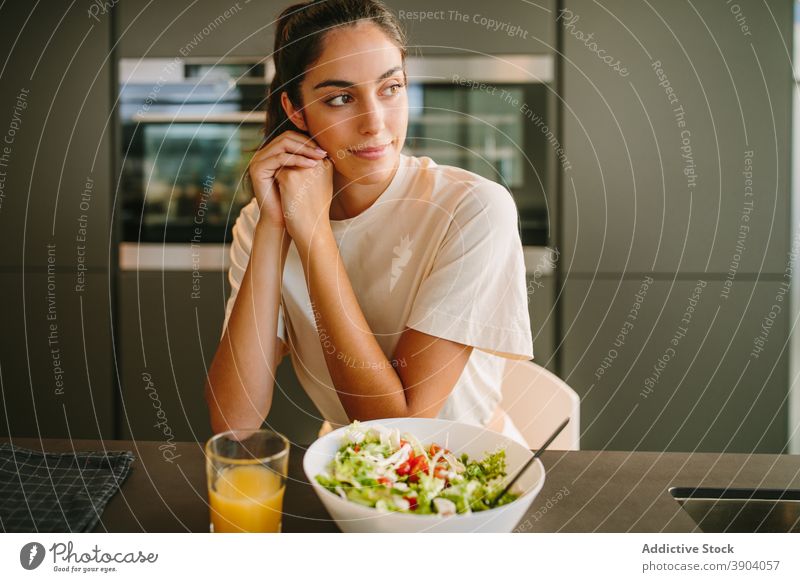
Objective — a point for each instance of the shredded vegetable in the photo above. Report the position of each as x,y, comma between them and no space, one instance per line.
379,467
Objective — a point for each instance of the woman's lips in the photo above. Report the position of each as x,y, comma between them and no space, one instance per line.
372,153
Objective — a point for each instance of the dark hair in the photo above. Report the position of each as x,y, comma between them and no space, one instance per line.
299,34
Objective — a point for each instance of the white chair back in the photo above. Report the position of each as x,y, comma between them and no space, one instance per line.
537,401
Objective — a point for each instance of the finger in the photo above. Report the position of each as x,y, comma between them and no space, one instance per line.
273,163
310,151
276,161
288,146
294,137
299,137
297,144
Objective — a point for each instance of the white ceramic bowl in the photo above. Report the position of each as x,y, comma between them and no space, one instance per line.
460,438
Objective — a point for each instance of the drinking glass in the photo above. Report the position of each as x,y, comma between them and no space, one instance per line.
246,472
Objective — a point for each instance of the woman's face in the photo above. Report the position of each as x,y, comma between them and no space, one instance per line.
355,100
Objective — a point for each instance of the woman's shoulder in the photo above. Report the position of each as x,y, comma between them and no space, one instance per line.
463,191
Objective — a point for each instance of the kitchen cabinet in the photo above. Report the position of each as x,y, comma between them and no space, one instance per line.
658,156
56,353
168,340
458,26
202,28
55,357
541,309
55,145
651,377
209,28
541,288
679,170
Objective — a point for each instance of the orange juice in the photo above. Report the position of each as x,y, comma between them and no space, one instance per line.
246,498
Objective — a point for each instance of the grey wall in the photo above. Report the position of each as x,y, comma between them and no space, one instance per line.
630,211
56,357
163,29
170,331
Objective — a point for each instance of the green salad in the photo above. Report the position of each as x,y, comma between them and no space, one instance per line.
382,468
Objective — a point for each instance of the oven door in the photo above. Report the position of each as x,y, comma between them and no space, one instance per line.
182,180
476,131
489,115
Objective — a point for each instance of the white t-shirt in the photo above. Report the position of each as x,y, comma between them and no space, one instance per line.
439,251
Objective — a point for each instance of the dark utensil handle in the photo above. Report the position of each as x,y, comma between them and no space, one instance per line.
530,462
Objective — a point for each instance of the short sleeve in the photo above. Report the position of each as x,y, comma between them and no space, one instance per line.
243,230
475,292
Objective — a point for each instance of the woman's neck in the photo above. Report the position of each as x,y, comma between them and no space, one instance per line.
351,199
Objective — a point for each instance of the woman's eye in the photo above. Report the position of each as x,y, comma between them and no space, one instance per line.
396,88
332,100
336,101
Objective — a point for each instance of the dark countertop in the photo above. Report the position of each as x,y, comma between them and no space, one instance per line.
585,491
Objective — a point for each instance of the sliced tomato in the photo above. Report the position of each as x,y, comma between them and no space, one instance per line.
412,502
384,481
403,469
418,465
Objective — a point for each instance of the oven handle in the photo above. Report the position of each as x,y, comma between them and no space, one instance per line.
539,260
230,117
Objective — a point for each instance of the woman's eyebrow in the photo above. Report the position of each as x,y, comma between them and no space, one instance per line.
346,84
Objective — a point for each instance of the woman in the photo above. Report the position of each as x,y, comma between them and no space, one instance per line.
396,285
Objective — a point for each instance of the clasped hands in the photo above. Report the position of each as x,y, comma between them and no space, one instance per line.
293,181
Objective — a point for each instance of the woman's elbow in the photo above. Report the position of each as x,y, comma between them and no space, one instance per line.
225,416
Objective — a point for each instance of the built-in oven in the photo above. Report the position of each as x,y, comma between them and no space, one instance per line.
189,127
486,114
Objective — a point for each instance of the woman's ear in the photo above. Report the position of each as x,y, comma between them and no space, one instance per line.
295,116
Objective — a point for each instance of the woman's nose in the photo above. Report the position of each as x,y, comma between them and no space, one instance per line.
371,117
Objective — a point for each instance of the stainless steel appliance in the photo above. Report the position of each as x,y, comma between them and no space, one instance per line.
186,128
486,114
189,126
721,510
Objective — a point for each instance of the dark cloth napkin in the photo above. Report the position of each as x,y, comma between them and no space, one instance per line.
57,492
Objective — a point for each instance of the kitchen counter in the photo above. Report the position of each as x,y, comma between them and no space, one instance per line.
585,491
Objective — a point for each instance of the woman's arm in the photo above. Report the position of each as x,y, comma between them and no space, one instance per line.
242,375
424,368
241,378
